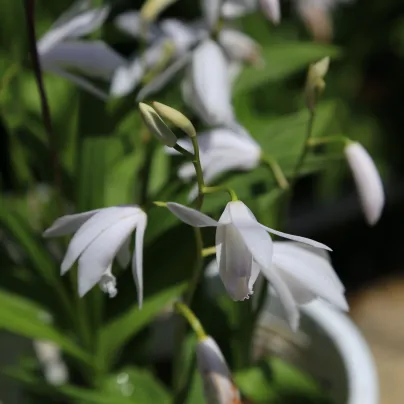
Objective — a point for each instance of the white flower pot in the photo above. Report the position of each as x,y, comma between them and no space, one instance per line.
327,346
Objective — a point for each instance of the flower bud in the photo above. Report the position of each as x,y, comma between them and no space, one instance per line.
219,387
177,118
315,83
156,125
367,180
151,9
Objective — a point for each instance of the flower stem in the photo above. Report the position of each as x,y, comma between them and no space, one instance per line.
231,192
206,252
193,321
328,139
199,173
46,116
277,172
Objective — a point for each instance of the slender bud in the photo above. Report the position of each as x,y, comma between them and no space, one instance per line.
151,9
315,83
156,125
176,117
367,180
219,387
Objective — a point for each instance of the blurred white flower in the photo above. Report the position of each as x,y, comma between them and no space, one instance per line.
49,356
244,249
100,235
207,87
239,46
219,387
271,9
168,41
221,150
211,12
59,49
237,8
368,182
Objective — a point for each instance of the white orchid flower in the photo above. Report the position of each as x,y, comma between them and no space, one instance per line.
239,46
59,49
221,150
218,385
307,273
172,42
211,12
368,182
100,235
207,89
244,249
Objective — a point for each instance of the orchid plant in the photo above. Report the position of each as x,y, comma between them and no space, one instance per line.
170,172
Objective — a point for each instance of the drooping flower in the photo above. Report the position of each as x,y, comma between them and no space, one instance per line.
60,50
368,182
221,150
100,235
219,387
244,249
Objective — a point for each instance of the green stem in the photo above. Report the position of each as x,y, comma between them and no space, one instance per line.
193,321
277,172
220,188
206,252
199,173
328,139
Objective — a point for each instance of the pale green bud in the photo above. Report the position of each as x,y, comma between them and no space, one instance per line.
176,117
151,9
156,125
315,83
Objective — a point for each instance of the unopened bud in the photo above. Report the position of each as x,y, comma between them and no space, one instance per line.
315,83
219,387
156,125
176,117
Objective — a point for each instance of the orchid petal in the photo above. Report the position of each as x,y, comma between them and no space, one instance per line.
271,10
191,216
285,296
211,12
299,292
99,255
130,23
137,262
255,237
92,229
68,224
123,255
72,26
305,240
94,58
126,78
368,181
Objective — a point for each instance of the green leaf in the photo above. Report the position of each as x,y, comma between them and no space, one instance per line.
24,317
136,384
124,327
281,60
273,381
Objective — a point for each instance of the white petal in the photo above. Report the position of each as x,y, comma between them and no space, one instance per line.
299,292
239,46
92,229
255,237
285,297
255,272
68,224
80,82
72,25
235,262
126,78
271,9
211,84
137,261
312,272
237,8
95,58
368,181
305,240
130,23
163,78
181,34
99,255
191,216
123,255
211,12
315,257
